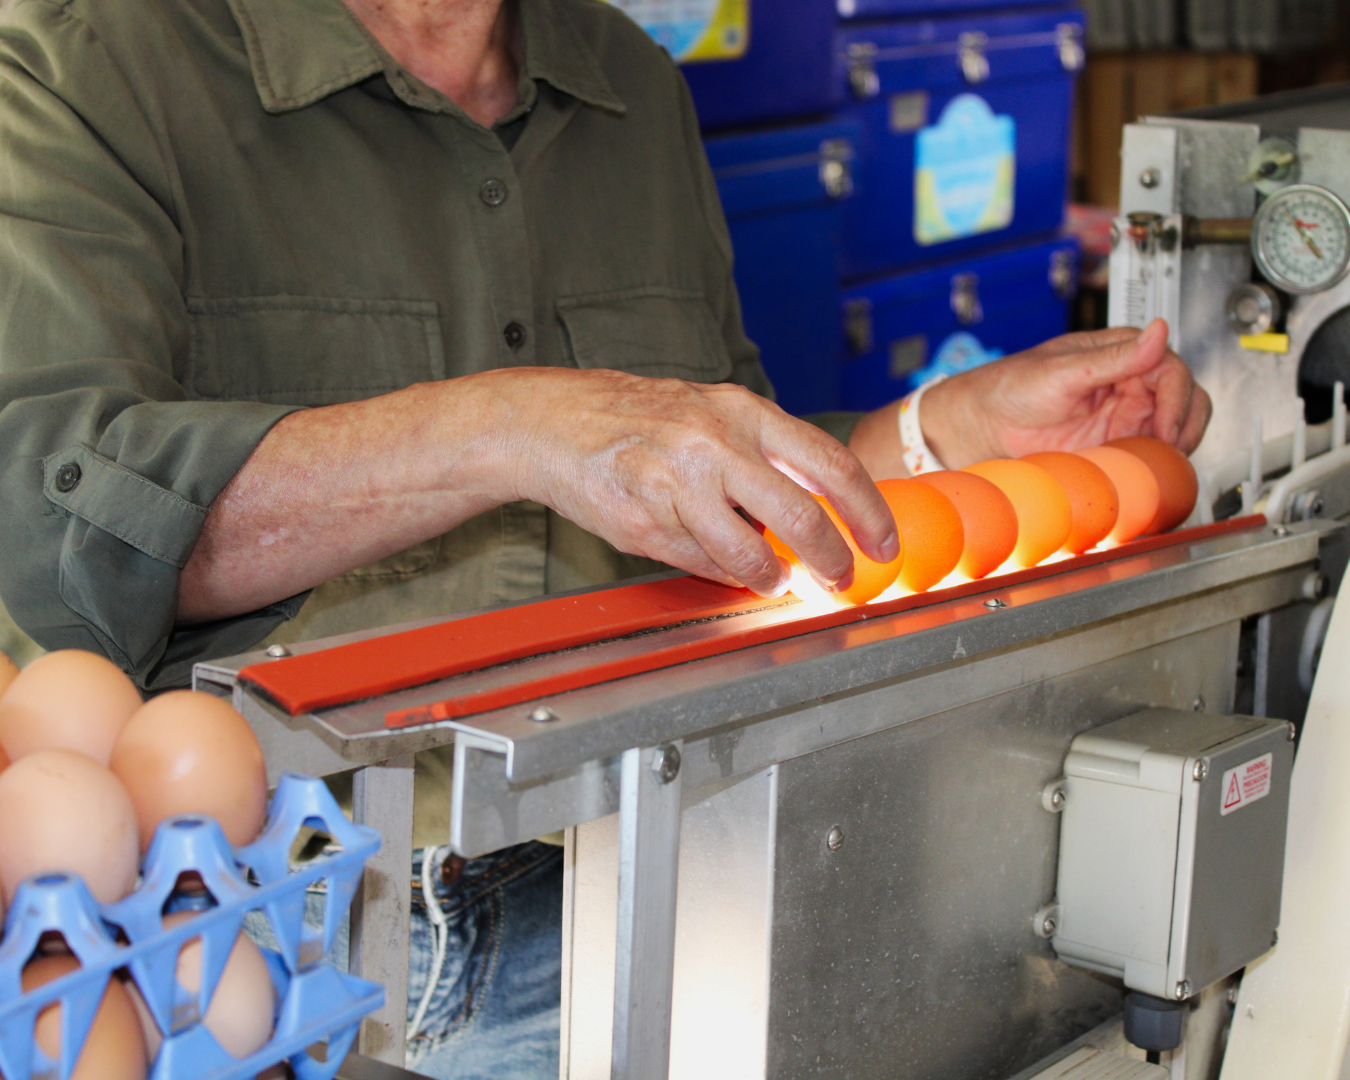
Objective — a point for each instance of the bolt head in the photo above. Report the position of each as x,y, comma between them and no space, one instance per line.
666,763
1274,938
834,839
277,652
1291,731
995,604
1057,799
1198,705
1183,990
1281,531
542,714
1200,770
1150,178
1048,926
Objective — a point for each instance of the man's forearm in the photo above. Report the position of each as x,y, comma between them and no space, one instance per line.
334,488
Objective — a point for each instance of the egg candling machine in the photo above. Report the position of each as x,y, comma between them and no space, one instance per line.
938,835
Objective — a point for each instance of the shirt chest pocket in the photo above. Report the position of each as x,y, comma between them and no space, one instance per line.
654,331
305,350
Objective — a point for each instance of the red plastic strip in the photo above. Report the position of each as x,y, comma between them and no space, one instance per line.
733,638
381,665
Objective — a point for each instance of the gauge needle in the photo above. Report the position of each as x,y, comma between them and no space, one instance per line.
1303,232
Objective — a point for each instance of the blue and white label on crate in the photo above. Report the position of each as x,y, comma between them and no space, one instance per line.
964,167
693,29
959,352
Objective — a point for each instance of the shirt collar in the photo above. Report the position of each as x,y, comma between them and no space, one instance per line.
303,50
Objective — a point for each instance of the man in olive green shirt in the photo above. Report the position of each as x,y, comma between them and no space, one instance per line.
417,305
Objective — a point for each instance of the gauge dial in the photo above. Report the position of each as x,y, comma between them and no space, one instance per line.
1301,239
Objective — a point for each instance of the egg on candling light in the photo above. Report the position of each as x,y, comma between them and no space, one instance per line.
870,579
114,1049
931,529
1044,514
186,752
67,700
1178,485
989,522
1136,487
1092,497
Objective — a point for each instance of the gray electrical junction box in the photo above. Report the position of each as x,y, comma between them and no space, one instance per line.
1171,851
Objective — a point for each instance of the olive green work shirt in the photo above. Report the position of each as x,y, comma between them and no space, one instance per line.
214,212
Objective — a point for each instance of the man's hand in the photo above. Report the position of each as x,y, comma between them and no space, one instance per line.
658,467
1074,391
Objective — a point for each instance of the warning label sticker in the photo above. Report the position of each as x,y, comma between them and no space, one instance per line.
1245,784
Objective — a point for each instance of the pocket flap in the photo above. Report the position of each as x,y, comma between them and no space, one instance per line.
657,332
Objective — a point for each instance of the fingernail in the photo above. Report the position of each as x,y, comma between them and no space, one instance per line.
843,584
890,547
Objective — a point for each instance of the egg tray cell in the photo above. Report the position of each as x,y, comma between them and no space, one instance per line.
317,1003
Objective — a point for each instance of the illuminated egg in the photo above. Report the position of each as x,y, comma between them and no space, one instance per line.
9,671
114,1049
1044,514
870,579
1136,487
67,700
931,529
987,516
1177,483
1091,495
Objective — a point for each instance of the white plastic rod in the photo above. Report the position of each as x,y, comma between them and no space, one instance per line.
1292,1017
1252,488
1338,416
1300,451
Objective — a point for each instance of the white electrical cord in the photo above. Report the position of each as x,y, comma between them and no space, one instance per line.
437,918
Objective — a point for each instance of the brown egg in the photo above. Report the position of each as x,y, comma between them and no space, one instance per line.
187,752
240,1012
63,811
67,700
931,530
987,516
1177,482
1136,487
114,1049
1091,495
1044,516
9,671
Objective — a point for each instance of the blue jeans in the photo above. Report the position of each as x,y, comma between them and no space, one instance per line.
493,1012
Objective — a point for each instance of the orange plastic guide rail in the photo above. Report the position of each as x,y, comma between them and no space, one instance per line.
366,669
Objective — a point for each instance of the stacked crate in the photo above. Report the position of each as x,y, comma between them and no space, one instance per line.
894,175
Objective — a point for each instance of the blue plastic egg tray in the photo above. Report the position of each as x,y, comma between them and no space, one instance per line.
317,1003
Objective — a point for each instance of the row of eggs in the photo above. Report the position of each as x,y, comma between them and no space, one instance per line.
1008,514
87,771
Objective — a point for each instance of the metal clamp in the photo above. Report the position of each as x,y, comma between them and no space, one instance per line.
974,63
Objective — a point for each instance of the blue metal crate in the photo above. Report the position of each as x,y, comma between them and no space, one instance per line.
902,330
747,61
783,192
965,133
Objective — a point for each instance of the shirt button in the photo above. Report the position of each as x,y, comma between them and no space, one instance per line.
67,477
514,335
493,192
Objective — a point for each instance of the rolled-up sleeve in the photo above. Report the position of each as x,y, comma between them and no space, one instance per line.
106,468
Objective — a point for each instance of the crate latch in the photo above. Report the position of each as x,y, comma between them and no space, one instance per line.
974,64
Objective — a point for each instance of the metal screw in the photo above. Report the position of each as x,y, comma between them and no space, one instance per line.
994,604
834,839
1281,531
276,652
1198,705
666,763
1057,799
542,714
1292,731
1200,770
1183,990
1150,178
1048,926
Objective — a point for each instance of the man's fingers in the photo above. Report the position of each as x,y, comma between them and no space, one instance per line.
1173,389
734,545
1197,419
1115,362
821,464
1082,340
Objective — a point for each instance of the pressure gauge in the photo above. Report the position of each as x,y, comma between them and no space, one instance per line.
1301,239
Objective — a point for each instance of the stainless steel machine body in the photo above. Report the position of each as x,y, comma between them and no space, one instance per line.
862,846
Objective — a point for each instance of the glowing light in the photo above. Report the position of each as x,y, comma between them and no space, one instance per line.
815,600
1058,556
951,581
895,592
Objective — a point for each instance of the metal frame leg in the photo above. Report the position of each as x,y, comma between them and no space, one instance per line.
382,797
649,860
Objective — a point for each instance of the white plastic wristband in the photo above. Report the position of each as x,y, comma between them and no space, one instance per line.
916,454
